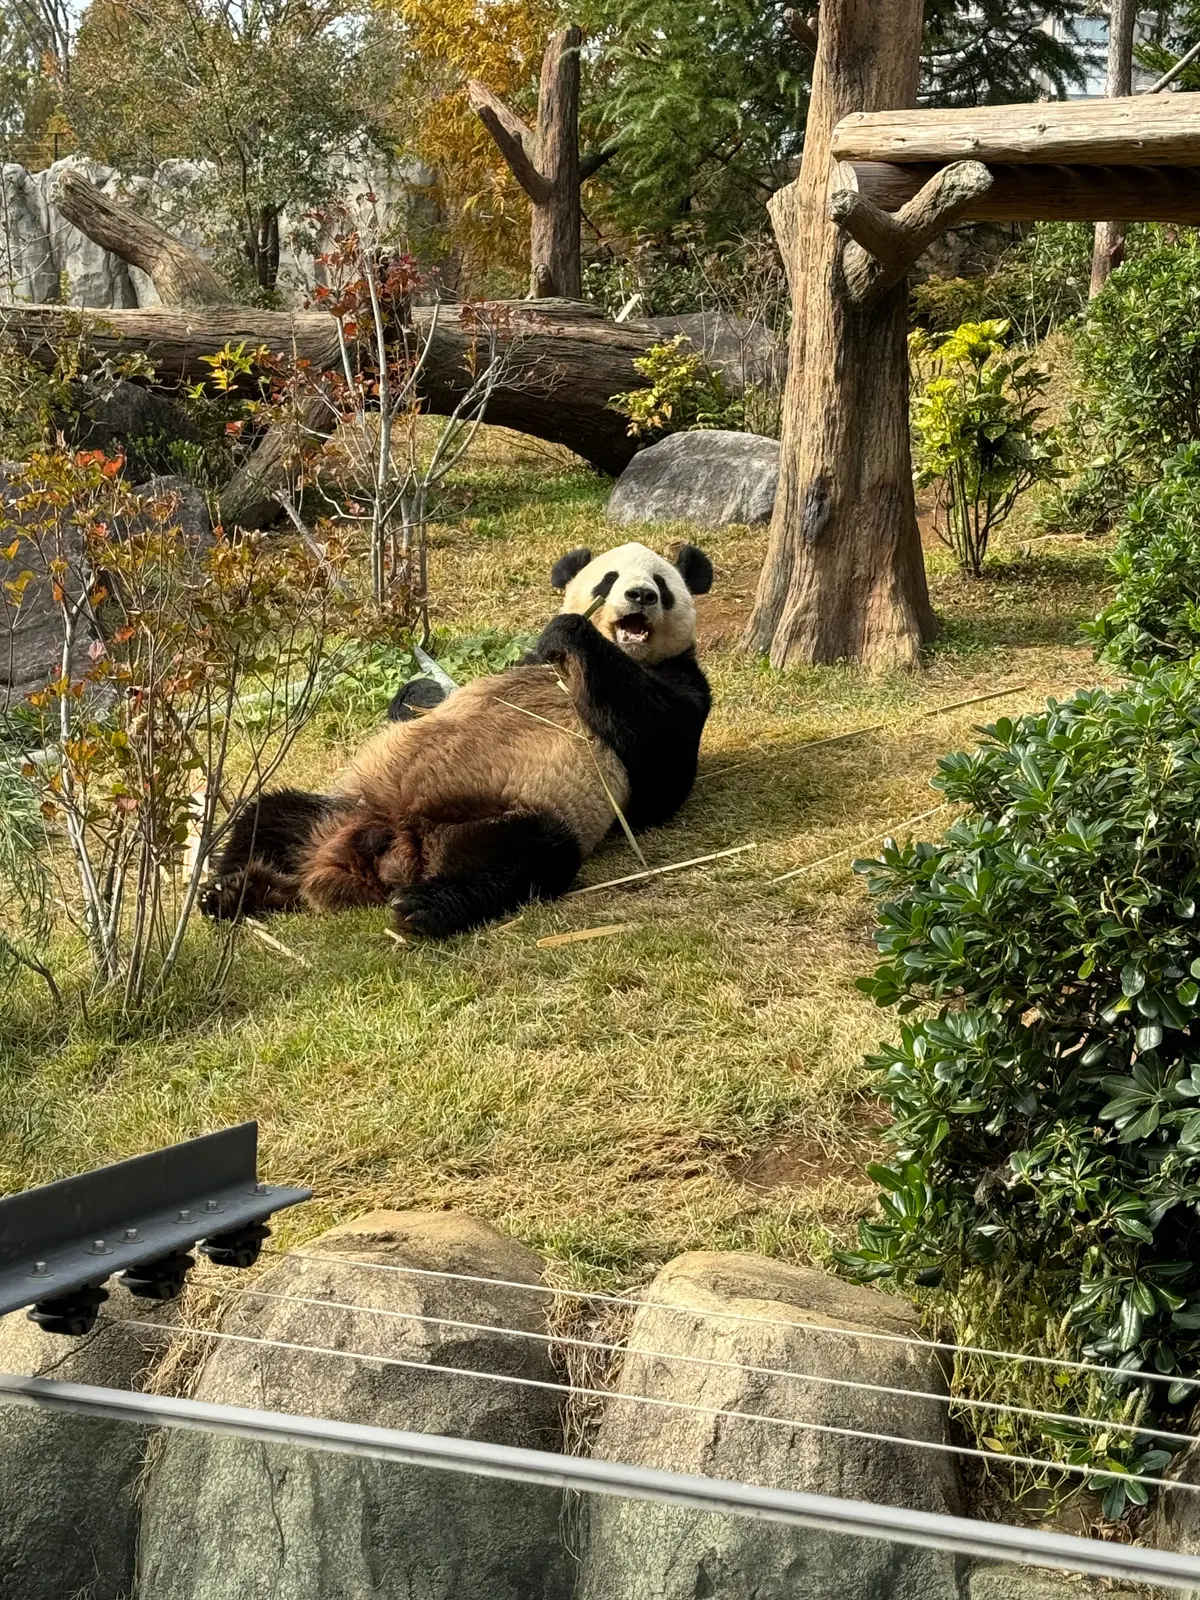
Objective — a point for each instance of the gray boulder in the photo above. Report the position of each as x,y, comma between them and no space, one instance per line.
224,1519
638,1551
743,351
68,1512
997,1581
709,477
130,420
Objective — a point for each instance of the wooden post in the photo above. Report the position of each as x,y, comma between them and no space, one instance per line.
1109,249
844,578
547,165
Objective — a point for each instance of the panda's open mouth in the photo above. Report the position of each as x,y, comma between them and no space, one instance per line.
633,629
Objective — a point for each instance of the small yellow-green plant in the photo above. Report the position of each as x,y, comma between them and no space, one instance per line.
978,436
682,392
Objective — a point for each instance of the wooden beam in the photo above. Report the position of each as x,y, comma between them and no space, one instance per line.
1043,193
1158,131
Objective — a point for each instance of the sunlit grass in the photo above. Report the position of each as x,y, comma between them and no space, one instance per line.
694,1082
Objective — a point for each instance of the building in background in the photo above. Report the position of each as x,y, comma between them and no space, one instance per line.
1091,32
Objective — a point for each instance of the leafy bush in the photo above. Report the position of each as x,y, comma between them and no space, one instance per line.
1038,284
1138,351
682,391
171,644
977,432
1155,613
1047,1095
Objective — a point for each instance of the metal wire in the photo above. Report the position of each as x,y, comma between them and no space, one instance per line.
1124,1374
796,1424
1108,1425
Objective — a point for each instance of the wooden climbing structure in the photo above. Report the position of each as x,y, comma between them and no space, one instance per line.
844,577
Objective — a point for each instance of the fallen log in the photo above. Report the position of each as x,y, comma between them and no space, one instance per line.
565,360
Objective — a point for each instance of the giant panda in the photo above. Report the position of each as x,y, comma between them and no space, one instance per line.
495,797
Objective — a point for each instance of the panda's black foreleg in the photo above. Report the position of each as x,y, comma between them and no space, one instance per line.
256,869
484,870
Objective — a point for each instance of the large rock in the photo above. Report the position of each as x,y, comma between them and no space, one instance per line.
709,477
638,1551
129,420
744,351
224,1519
68,1513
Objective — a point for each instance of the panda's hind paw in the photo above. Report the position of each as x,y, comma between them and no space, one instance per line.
425,913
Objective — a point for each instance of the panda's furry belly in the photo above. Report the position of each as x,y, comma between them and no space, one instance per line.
513,742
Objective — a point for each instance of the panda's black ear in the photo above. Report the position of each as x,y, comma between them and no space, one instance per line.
695,568
565,568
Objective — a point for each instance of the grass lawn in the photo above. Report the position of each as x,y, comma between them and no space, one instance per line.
693,1081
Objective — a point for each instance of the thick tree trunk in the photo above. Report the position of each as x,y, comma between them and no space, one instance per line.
547,165
178,274
554,234
844,577
1109,251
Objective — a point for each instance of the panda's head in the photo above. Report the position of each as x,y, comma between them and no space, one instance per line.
646,604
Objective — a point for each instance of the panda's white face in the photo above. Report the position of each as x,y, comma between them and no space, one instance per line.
646,605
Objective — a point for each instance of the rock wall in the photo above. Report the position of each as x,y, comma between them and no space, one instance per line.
44,259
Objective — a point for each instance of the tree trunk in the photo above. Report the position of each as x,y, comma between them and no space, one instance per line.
1109,249
554,233
844,578
178,274
547,165
566,361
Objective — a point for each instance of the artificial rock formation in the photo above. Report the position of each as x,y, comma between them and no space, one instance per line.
638,1551
262,1522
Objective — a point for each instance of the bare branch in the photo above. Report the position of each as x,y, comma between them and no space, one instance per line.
802,28
516,142
946,197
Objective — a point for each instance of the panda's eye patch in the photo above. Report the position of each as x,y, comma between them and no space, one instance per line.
603,588
664,589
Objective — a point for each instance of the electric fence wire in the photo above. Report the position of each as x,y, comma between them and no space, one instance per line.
656,1402
710,1362
1125,1375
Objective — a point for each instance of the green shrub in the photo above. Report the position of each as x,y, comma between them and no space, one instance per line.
1047,1093
1138,351
681,392
1038,284
977,434
1155,613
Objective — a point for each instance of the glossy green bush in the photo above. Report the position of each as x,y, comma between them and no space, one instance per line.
1155,613
1046,1092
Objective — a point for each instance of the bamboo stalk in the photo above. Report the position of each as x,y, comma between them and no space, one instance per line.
874,727
656,872
825,861
272,943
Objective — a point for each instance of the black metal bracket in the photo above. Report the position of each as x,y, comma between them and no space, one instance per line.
59,1243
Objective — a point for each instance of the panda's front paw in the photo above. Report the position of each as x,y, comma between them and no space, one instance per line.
567,635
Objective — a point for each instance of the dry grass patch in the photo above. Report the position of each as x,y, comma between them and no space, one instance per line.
693,1081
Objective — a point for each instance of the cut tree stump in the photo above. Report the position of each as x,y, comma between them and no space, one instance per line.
547,164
